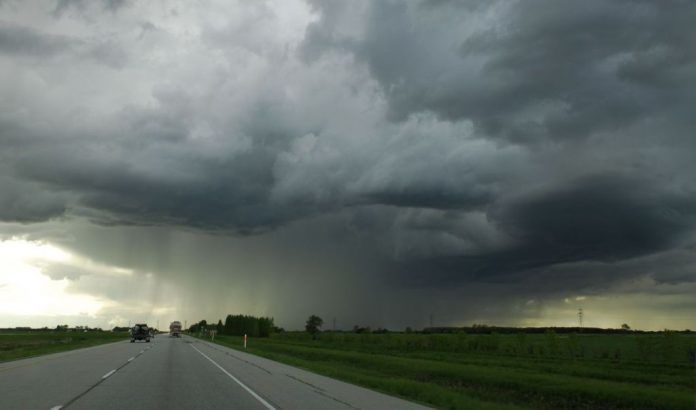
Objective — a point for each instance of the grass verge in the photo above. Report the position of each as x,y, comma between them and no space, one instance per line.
485,381
22,345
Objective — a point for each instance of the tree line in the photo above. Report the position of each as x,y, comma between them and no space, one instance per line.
238,325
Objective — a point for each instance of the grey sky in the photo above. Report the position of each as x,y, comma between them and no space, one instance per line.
489,161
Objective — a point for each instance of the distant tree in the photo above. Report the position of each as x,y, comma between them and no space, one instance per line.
62,328
265,326
229,325
236,325
250,326
408,329
625,326
200,327
219,327
313,324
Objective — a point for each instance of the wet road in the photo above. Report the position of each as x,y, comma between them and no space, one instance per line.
175,373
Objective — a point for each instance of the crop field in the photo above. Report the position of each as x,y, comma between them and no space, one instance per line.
26,344
539,371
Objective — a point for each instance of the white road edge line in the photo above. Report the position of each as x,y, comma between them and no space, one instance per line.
109,374
131,359
244,386
56,407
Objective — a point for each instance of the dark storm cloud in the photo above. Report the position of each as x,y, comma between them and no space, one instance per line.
480,142
21,40
605,218
63,6
571,70
28,202
229,194
672,267
429,197
599,217
150,170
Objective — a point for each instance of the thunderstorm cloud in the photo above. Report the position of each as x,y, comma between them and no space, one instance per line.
378,162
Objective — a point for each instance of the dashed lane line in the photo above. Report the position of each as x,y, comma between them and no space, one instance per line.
108,374
104,377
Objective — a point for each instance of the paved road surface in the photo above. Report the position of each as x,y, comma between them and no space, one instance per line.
174,373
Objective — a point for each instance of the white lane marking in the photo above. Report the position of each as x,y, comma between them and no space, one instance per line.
244,386
142,351
56,407
131,359
109,374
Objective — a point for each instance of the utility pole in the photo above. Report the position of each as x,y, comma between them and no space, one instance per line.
334,324
431,320
580,315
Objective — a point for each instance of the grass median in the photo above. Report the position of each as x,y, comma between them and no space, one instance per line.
457,379
28,344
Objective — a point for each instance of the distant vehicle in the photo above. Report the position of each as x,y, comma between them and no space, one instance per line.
175,329
140,332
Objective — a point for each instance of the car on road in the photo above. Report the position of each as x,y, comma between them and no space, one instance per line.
140,332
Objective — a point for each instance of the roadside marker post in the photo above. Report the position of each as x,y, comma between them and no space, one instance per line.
245,340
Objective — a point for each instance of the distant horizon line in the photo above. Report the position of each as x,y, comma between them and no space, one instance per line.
478,328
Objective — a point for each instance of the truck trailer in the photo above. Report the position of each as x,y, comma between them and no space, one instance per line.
175,329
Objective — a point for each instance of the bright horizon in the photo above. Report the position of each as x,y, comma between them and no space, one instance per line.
27,293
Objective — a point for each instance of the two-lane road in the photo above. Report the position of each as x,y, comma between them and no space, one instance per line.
175,373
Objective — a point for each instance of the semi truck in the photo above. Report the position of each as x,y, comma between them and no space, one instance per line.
175,329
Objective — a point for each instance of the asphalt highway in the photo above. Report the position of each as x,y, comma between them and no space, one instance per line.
175,373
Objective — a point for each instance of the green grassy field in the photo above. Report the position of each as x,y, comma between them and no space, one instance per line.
539,371
26,344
